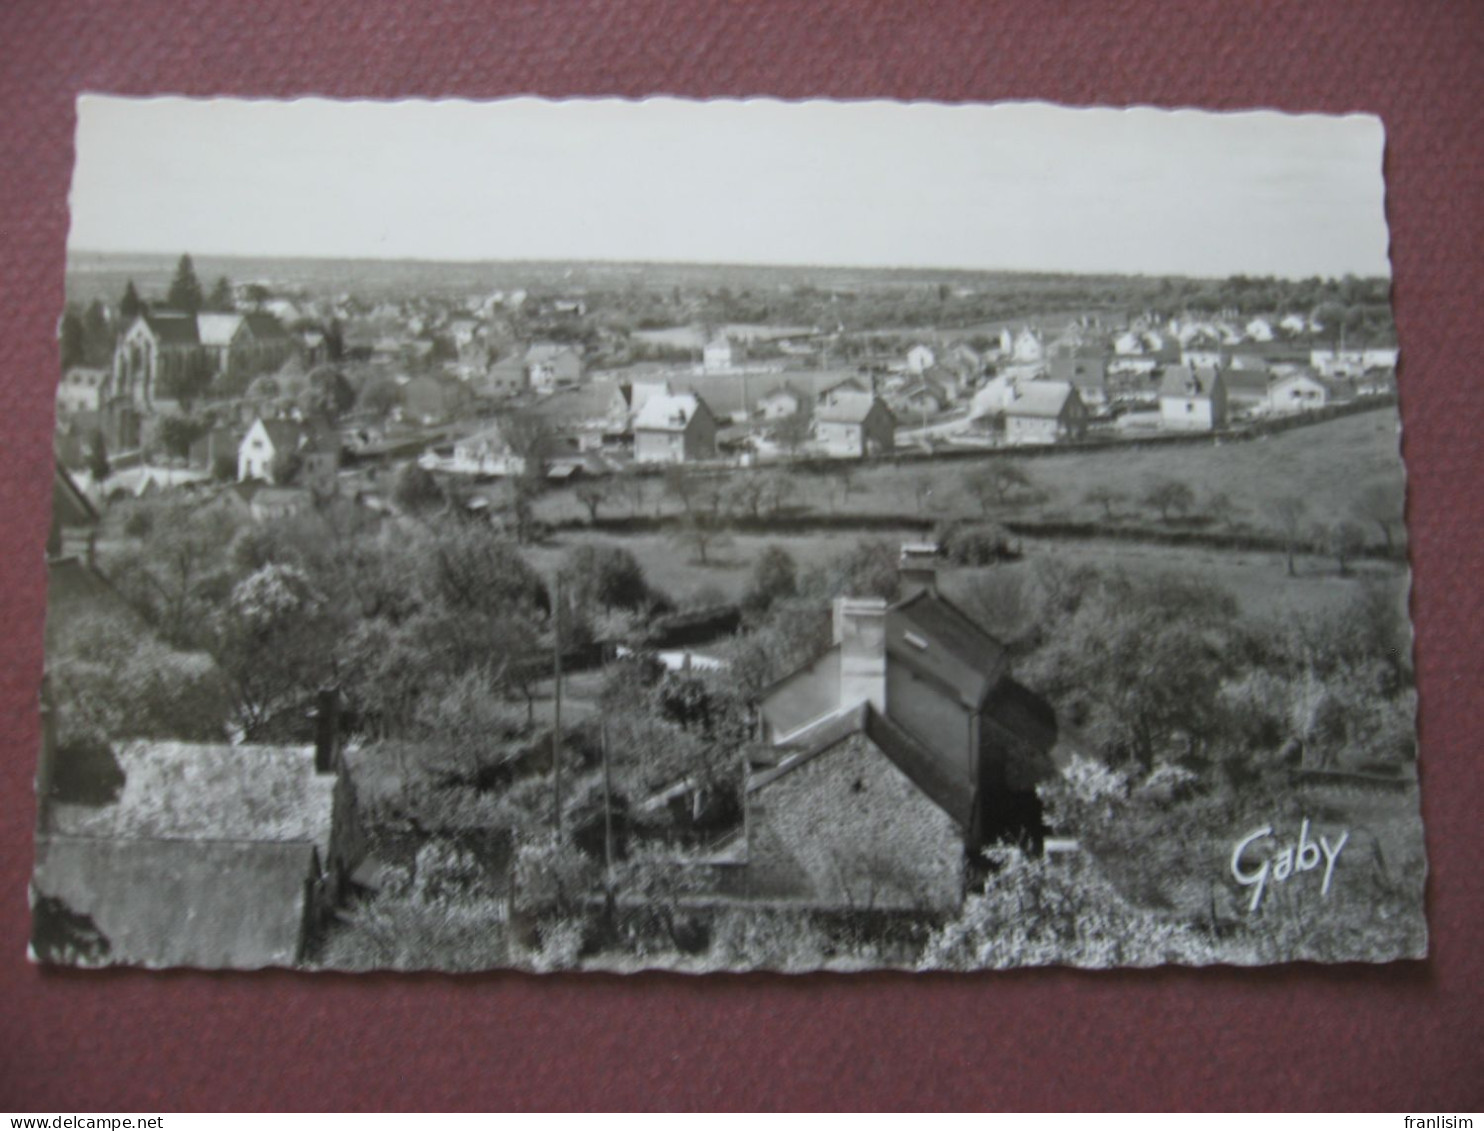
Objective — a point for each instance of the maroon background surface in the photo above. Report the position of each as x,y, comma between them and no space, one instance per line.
1393,1037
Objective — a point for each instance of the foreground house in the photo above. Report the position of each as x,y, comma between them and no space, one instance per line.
892,758
187,854
674,428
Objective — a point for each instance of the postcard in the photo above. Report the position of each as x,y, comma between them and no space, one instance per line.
613,535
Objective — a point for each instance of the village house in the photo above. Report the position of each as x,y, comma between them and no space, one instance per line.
721,354
1259,330
1027,346
781,402
922,399
921,358
208,855
81,391
1192,399
674,428
854,425
1303,392
1086,372
1246,386
1130,343
553,365
272,447
1043,412
889,760
487,452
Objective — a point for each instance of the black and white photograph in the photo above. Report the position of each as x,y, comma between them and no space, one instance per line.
609,535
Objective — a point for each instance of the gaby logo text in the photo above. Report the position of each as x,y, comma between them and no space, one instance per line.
1281,861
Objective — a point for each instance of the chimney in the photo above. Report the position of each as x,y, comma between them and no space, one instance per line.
918,567
326,731
860,631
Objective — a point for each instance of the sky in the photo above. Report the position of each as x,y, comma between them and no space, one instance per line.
1012,186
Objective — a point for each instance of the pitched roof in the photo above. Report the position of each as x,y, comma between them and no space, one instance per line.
264,326
929,634
783,390
1039,399
845,406
1084,371
1189,381
218,329
180,902
204,792
668,412
173,328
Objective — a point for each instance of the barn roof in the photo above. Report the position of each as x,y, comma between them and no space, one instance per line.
264,326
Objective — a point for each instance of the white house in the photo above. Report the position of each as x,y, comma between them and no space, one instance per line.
781,403
1192,400
1044,412
1259,330
921,358
674,428
1299,392
720,355
1028,345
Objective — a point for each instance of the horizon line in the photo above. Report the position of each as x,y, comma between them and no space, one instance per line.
771,265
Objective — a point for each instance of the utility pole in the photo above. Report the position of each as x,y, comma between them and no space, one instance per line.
607,807
556,714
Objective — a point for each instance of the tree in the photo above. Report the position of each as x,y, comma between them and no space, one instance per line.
1343,540
98,466
379,395
99,333
417,491
178,433
330,395
605,577
1105,496
702,533
1381,504
185,289
73,338
1289,512
221,299
131,306
792,432
995,483
775,577
1166,495
591,493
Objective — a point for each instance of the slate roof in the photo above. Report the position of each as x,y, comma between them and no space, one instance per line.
182,902
265,327
203,792
958,652
173,328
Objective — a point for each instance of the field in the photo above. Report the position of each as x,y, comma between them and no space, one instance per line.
1330,466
